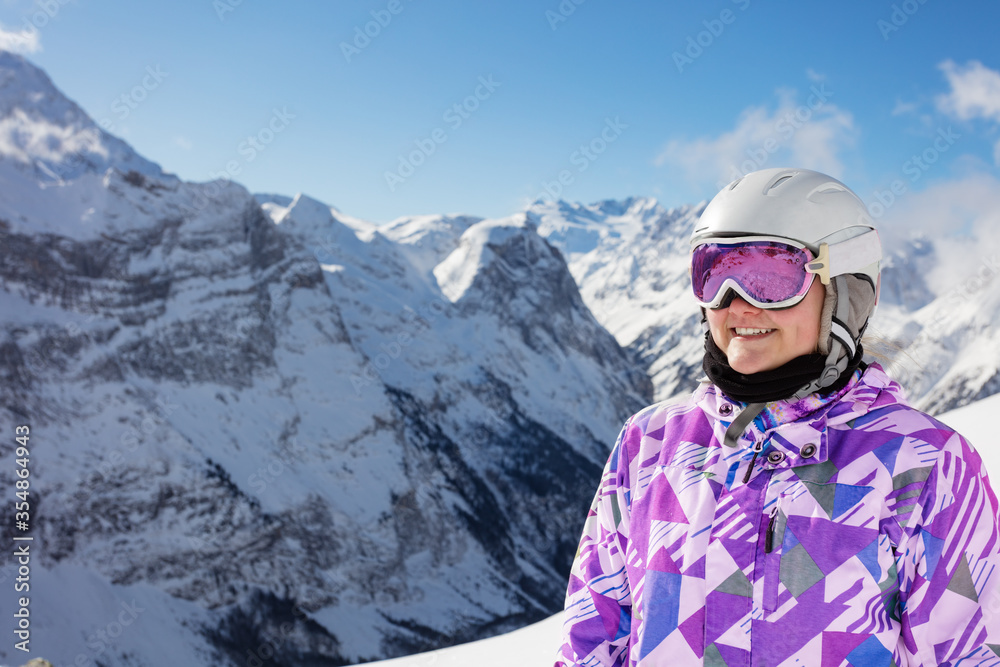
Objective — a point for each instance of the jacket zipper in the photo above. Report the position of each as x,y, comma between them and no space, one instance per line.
758,447
772,564
769,536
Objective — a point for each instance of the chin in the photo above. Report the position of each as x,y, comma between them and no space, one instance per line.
751,366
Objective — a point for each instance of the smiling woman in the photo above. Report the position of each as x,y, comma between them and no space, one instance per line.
795,510
759,246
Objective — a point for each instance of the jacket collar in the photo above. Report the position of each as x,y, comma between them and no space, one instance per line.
796,431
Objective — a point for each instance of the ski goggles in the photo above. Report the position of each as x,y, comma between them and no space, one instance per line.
767,273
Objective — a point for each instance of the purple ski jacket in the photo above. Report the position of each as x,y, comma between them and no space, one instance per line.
851,530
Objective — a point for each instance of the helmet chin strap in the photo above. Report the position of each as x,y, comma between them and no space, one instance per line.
843,347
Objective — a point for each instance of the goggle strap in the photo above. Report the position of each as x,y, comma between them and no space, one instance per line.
850,256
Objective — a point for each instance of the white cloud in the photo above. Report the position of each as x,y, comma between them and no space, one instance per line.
183,142
811,133
975,91
20,41
815,76
905,108
961,215
975,94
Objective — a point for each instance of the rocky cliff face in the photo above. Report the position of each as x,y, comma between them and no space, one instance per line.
266,424
630,259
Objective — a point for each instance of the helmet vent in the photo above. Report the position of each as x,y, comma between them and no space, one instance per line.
776,183
826,189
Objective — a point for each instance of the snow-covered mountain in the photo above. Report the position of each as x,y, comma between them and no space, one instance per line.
943,321
940,337
262,429
630,259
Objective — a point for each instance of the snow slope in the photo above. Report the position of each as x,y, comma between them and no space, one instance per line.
531,646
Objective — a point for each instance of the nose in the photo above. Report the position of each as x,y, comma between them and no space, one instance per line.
739,304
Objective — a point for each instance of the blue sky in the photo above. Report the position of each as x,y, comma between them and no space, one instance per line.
479,108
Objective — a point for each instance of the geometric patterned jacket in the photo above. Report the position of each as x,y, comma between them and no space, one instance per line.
851,530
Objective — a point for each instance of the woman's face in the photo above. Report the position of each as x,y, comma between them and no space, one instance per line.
755,339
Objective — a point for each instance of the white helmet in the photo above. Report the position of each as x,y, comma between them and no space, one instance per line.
822,214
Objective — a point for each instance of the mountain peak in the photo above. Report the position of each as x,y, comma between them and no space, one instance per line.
42,129
480,246
310,218
428,239
306,213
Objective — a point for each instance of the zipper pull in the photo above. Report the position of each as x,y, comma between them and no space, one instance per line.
758,447
769,537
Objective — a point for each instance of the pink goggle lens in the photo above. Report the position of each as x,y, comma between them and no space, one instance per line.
770,273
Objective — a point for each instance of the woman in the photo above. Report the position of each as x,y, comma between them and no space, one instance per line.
795,510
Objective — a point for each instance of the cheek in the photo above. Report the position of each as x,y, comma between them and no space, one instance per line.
808,337
804,319
716,324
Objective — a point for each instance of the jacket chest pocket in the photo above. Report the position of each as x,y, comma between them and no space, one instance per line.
677,510
821,541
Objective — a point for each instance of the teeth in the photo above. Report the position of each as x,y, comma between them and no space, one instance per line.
751,332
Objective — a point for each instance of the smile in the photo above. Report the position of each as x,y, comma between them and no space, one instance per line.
741,331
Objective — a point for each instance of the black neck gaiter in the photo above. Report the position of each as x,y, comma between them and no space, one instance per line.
772,385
